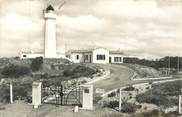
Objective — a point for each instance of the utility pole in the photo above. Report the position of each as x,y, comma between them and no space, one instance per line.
179,106
169,65
178,65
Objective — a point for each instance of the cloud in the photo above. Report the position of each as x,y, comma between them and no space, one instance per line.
141,27
82,23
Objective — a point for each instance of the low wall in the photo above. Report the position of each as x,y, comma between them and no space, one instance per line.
159,78
154,82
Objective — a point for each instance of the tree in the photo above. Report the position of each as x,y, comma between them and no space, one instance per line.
36,64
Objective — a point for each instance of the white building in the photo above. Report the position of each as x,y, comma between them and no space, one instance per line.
99,55
50,38
31,54
116,57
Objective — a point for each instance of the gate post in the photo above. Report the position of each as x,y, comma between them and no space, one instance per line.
36,94
87,102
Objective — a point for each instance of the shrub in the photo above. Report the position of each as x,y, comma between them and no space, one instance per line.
158,100
113,104
20,91
15,71
78,71
112,94
96,99
161,94
128,107
130,88
4,92
153,113
36,64
83,81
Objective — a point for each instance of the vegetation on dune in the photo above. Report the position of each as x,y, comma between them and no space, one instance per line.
36,64
127,107
20,91
4,92
78,71
155,113
12,71
164,62
162,95
112,94
23,72
130,88
144,71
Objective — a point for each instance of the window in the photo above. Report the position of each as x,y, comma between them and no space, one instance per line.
117,59
25,56
101,57
77,57
86,57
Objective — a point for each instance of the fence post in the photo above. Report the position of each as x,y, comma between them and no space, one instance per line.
11,92
120,100
179,106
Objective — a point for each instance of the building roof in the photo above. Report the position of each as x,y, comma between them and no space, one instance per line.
31,52
81,51
91,50
50,8
116,52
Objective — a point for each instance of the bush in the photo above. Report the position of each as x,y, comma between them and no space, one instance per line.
20,91
96,99
128,108
36,64
130,88
112,94
4,92
78,71
113,104
161,94
158,100
153,113
15,71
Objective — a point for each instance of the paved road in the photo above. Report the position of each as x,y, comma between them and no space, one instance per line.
119,77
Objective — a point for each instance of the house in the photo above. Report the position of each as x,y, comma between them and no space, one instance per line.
116,57
99,55
30,54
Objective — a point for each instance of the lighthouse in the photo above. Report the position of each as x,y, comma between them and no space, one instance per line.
50,50
50,32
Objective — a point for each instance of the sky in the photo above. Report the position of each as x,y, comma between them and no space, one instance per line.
145,28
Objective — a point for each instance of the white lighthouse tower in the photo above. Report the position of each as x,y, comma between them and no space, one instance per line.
50,33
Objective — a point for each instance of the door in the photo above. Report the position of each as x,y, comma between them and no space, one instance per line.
110,59
90,58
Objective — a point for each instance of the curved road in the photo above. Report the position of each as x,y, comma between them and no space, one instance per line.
119,77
